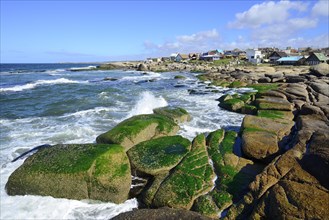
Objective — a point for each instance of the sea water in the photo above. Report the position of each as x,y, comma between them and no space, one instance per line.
49,104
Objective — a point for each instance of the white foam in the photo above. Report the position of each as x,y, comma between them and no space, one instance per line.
38,83
146,103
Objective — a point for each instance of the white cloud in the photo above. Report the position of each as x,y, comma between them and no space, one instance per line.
283,30
200,41
200,36
321,8
266,13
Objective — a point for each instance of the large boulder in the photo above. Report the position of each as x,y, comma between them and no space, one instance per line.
179,115
191,178
139,128
261,136
158,155
321,69
77,171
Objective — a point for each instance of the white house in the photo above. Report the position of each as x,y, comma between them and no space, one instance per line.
254,55
173,56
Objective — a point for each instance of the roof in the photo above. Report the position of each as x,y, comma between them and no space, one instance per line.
184,56
281,54
174,54
320,56
294,58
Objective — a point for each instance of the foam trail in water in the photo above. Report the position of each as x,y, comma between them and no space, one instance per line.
37,83
146,103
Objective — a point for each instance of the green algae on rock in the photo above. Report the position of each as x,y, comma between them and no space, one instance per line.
188,180
158,155
234,174
137,129
179,115
75,171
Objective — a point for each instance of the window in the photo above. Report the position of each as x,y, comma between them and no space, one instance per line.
252,57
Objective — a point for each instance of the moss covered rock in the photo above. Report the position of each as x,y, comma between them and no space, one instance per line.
77,171
205,205
280,127
137,129
188,180
158,155
234,104
179,77
179,115
274,103
234,173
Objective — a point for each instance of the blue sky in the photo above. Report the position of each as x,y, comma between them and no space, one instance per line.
81,31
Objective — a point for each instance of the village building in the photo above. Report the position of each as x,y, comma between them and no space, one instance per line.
173,56
273,57
194,56
212,55
316,58
293,60
181,57
254,56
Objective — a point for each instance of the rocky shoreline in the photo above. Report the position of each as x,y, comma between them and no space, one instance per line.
281,172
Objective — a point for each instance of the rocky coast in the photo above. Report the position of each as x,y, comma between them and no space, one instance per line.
275,167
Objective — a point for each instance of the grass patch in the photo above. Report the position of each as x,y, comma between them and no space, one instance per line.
274,114
222,62
263,87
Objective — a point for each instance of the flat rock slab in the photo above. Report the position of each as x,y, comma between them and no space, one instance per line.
274,103
76,171
158,155
279,127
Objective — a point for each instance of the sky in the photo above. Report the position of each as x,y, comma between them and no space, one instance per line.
96,31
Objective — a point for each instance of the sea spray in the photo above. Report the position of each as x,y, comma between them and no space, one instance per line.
146,103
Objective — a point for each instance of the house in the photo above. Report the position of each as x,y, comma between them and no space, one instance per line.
254,56
173,56
229,54
276,55
293,60
194,56
181,57
316,58
210,57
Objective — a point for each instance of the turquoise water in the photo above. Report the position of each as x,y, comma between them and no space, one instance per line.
49,104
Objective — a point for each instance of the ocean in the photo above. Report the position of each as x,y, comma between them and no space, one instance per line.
49,104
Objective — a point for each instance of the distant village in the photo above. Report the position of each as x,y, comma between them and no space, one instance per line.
271,55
